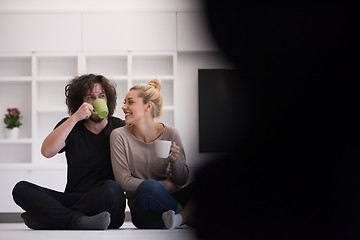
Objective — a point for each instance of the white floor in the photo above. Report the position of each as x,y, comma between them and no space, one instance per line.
18,231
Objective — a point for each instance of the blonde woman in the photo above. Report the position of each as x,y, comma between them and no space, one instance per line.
149,181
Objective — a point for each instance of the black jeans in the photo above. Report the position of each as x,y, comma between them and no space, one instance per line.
58,210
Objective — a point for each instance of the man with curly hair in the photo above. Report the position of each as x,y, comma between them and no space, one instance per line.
92,199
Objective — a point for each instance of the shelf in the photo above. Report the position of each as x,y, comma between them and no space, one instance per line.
15,79
147,78
16,141
45,110
15,166
115,78
53,79
31,166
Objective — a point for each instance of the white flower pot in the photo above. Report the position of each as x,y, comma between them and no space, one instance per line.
12,133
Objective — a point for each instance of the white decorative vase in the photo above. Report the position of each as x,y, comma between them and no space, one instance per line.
12,133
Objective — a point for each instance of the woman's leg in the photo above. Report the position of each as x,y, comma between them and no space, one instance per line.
45,208
174,219
107,196
151,200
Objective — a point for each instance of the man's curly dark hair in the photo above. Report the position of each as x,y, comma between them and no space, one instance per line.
77,89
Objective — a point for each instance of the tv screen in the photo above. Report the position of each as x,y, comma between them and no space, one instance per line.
218,109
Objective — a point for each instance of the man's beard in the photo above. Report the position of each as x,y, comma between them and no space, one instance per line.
95,118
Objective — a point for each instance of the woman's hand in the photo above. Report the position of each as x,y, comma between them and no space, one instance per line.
174,152
170,184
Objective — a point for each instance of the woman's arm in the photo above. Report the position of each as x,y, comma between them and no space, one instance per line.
120,164
55,141
179,168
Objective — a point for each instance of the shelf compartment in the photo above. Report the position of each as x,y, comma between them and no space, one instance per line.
15,153
107,65
152,65
167,89
17,95
51,95
16,66
46,123
57,66
167,117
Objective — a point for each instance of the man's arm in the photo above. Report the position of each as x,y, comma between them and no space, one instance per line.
55,141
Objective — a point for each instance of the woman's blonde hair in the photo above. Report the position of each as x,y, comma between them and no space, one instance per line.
150,92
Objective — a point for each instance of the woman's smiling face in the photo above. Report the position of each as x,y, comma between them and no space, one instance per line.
133,107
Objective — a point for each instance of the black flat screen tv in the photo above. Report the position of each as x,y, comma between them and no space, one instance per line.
218,95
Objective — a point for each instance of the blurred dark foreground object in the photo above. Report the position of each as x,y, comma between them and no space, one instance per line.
295,172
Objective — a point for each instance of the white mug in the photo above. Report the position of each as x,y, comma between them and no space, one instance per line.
162,148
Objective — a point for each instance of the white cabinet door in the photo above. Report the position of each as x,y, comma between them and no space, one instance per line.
129,31
40,32
193,33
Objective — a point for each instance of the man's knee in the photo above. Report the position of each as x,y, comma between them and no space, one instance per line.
113,194
19,189
111,188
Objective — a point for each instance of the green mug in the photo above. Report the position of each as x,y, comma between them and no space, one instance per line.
100,108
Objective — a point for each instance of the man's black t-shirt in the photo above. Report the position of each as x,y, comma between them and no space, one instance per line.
88,155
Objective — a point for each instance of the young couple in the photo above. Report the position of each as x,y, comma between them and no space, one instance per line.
96,155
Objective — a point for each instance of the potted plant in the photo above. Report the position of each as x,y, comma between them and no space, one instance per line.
12,121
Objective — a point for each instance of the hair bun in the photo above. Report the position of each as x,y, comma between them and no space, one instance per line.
155,83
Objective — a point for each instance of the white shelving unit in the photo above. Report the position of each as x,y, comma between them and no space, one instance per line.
35,83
